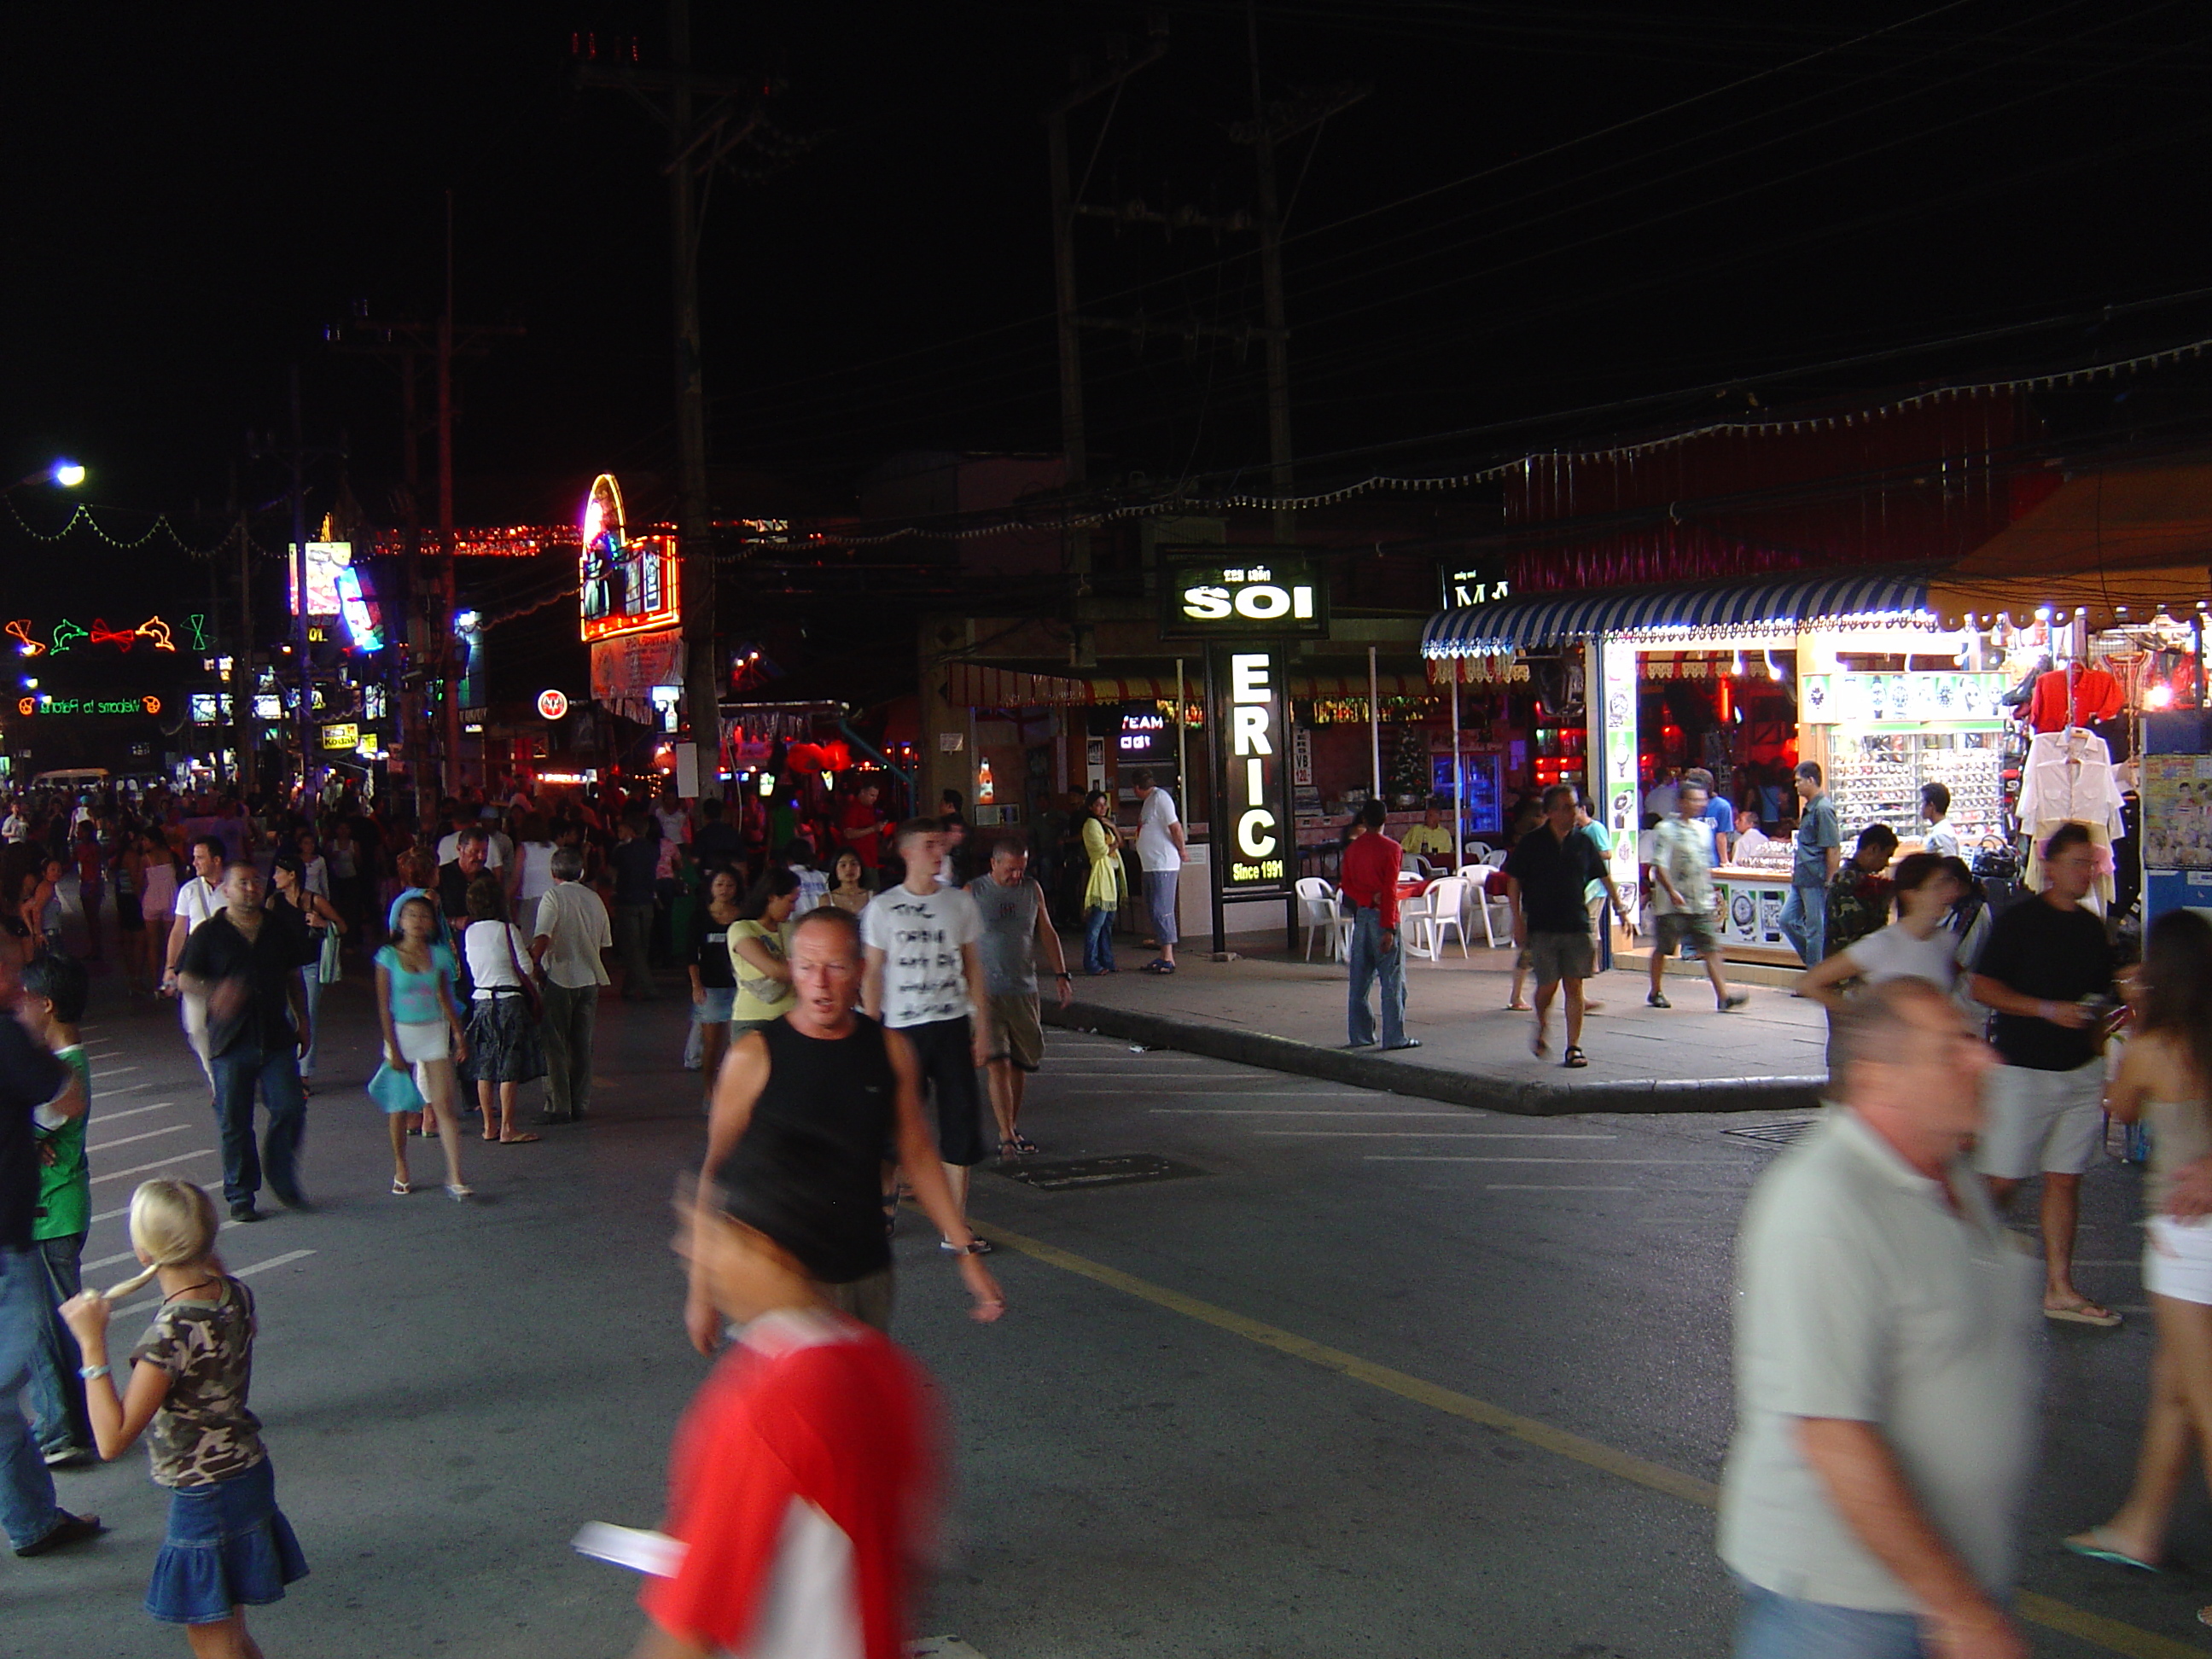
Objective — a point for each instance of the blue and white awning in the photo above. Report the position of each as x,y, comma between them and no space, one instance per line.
1862,598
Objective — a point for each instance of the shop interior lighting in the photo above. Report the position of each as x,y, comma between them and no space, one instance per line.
1773,668
2158,696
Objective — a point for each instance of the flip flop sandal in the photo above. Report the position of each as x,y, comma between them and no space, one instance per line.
518,1140
1574,1060
1024,1143
1009,1149
2103,1318
401,1188
2087,1545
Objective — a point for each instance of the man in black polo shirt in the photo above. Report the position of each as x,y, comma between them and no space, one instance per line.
246,961
31,1078
1547,873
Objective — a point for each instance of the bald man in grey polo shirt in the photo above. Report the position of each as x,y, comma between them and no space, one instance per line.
1886,1369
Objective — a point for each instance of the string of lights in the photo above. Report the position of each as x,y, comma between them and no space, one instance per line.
1183,501
83,515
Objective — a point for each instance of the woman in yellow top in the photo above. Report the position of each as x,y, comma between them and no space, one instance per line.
757,941
1101,896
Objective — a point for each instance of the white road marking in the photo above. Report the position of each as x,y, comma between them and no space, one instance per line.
110,1145
1585,1163
1293,1111
1432,1134
119,1070
99,1088
235,1273
1495,1187
141,1168
135,1111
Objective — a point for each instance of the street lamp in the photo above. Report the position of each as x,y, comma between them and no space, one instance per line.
63,474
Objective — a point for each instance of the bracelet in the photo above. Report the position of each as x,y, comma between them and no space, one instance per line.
1062,974
92,1373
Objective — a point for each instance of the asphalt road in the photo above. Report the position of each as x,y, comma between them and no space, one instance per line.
1384,1376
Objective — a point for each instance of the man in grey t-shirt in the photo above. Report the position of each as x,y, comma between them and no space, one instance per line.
1013,930
1820,852
1886,1364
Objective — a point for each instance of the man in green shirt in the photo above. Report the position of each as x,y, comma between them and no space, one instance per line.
55,990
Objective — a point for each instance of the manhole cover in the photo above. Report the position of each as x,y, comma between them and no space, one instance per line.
1120,1170
1775,1134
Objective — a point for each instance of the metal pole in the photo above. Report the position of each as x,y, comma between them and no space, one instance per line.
241,670
444,650
1272,311
1182,757
1375,721
1459,774
300,576
703,680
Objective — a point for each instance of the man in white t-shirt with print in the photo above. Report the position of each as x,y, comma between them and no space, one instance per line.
196,900
924,979
1160,850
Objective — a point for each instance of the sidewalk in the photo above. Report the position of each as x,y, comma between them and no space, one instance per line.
1273,1010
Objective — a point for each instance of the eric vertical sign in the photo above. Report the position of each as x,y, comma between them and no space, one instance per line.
1258,852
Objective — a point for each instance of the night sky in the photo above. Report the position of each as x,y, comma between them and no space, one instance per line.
1535,209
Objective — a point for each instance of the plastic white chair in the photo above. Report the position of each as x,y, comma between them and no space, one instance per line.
1496,860
1476,852
1318,910
1497,909
1447,901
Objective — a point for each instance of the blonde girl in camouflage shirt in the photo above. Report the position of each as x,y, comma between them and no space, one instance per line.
228,1545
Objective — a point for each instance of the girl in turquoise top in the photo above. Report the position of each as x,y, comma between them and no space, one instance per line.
422,1029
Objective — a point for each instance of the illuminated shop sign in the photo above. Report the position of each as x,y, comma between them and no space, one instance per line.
1262,595
43,706
65,636
1256,858
1475,581
628,584
324,561
341,734
1143,736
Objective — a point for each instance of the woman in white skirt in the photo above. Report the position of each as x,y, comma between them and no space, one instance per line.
2165,1079
423,1029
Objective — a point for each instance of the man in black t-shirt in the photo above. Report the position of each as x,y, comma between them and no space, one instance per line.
2044,961
246,960
1548,873
30,1078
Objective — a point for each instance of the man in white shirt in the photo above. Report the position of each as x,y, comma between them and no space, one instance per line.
924,978
572,931
1940,838
1160,850
197,901
449,847
1749,838
1886,1367
17,827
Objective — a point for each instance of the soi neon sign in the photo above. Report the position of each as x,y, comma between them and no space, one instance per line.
1209,598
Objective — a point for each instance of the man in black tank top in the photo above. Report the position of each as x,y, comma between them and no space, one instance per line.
814,1105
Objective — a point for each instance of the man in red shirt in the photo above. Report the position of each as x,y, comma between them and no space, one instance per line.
803,1494
1370,885
861,829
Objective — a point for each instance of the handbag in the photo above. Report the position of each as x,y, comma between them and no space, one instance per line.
328,968
525,978
395,1092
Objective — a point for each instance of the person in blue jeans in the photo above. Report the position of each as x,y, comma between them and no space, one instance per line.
1102,893
1369,881
1819,850
246,961
30,1078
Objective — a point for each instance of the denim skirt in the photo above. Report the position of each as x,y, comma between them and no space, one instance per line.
715,1010
228,1545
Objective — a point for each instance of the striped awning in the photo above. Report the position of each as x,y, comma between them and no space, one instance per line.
1850,598
971,685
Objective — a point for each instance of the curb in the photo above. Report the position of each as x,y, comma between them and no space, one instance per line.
1368,1071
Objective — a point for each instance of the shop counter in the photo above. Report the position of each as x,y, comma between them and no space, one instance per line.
1751,898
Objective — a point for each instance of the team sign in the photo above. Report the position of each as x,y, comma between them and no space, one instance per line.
1262,595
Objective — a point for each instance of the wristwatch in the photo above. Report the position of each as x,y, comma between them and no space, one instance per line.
92,1373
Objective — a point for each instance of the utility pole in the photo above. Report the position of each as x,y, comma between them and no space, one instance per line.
708,117
432,596
241,669
1269,126
1066,203
1279,474
295,455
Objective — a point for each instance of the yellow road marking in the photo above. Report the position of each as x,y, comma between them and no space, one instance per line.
2109,1634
